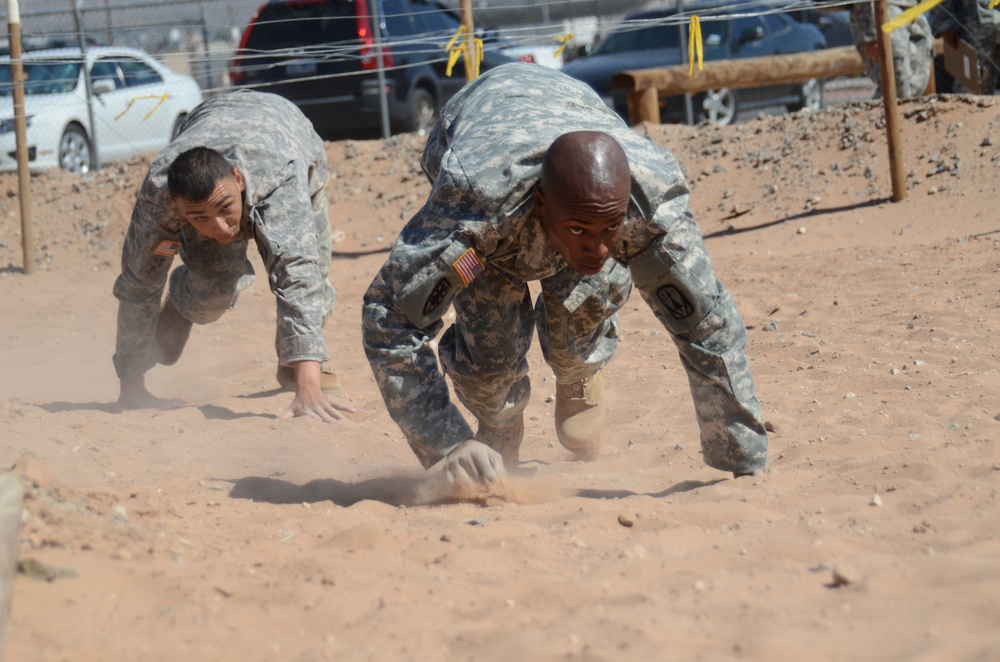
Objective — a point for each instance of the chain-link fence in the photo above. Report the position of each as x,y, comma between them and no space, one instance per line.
325,57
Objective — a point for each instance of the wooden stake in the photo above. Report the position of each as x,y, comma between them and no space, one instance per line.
21,136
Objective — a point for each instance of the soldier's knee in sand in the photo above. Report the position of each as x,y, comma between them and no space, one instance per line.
10,524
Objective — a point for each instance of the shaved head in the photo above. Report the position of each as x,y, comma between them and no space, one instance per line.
583,198
586,165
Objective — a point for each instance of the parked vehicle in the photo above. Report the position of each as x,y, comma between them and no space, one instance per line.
138,106
321,55
730,30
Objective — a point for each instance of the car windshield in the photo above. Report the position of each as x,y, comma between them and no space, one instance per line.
645,35
53,77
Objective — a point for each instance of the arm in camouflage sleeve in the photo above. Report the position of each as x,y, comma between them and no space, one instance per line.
152,239
675,277
290,246
402,313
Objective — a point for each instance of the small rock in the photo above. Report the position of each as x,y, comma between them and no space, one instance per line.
625,520
801,230
773,326
844,574
849,395
876,500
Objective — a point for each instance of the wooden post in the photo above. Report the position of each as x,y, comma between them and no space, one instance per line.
21,136
471,61
889,103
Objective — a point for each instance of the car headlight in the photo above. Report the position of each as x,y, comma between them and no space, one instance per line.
7,125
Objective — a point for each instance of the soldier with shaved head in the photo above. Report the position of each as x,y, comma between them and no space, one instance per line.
536,179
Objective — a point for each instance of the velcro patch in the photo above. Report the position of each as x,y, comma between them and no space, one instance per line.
437,295
167,248
468,266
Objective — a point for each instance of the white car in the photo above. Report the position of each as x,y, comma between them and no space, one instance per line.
138,106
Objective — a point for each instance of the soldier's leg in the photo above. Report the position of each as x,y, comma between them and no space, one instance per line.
484,353
204,287
578,332
11,497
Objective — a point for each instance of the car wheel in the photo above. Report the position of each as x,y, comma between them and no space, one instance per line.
178,125
810,96
75,154
719,107
423,111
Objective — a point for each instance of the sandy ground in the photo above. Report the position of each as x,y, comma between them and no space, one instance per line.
217,532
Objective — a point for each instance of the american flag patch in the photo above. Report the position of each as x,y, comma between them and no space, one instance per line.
167,248
468,266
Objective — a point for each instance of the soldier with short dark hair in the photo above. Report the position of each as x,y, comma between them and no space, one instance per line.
245,166
536,179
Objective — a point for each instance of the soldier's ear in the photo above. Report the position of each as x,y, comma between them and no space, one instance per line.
240,182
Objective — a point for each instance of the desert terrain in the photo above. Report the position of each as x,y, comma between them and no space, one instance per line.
217,532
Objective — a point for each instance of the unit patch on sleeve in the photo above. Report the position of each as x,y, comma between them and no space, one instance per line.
437,295
674,301
167,248
468,266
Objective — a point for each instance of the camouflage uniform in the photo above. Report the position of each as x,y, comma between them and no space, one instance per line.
483,158
974,22
283,163
912,47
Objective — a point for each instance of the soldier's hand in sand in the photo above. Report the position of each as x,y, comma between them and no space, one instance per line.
311,400
473,462
134,395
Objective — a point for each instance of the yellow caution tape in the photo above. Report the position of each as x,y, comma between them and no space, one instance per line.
695,46
454,52
564,39
912,13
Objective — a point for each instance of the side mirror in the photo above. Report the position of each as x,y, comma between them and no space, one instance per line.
102,86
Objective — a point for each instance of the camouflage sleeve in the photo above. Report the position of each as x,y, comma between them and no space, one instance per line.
401,315
152,240
290,248
675,277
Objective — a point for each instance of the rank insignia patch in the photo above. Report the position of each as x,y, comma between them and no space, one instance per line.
468,266
167,248
438,295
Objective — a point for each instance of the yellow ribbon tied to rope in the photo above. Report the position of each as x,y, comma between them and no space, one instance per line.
912,13
163,98
457,50
564,39
695,45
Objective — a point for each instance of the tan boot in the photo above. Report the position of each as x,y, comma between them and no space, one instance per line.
172,332
580,416
328,379
506,441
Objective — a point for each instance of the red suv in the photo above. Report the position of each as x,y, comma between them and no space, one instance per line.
320,54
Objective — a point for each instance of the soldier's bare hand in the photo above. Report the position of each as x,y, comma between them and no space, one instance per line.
473,462
313,402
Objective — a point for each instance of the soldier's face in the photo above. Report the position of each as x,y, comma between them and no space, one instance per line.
218,216
582,230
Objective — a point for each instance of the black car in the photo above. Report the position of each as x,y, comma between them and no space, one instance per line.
321,55
730,30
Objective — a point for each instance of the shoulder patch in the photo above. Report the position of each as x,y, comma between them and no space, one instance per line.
674,301
167,248
437,295
468,266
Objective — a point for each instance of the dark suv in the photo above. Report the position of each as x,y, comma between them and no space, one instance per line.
321,55
730,29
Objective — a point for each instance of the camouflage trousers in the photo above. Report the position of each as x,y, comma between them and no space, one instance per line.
212,275
484,351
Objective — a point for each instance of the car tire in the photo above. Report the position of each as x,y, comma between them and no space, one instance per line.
719,107
178,125
75,153
810,96
423,111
